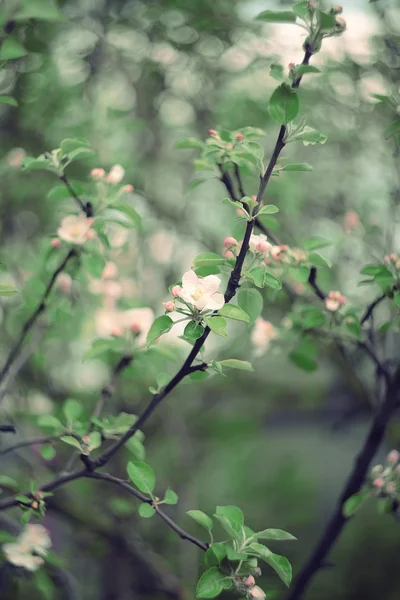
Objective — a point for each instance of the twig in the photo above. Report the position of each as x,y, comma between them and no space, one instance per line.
86,208
371,444
34,317
370,309
27,443
131,490
312,280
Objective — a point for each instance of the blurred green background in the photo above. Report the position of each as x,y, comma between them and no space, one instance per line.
133,78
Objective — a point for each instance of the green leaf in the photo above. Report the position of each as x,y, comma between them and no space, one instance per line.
170,497
257,275
161,325
352,504
8,100
232,528
318,260
11,49
272,281
392,129
35,164
297,167
231,512
70,144
48,452
44,584
274,534
304,356
268,209
233,363
195,183
72,410
232,311
7,290
141,475
201,518
314,243
8,483
280,564
43,10
208,259
309,136
146,511
94,264
94,440
326,20
217,325
51,422
397,298
130,212
276,71
80,153
193,331
301,9
211,583
25,517
273,16
284,104
71,441
60,191
251,301
189,143
304,69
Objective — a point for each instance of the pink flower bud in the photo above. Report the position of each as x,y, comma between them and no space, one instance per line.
116,333
394,257
387,258
378,483
169,306
91,234
393,457
128,188
176,291
239,136
56,243
250,581
291,65
136,328
263,246
256,593
110,271
230,241
212,133
97,173
254,197
85,438
340,24
228,254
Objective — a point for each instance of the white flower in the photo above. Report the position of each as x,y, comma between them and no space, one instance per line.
261,336
259,243
139,320
29,548
74,229
116,174
334,301
201,292
256,593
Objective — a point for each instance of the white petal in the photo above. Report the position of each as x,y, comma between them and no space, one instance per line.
203,302
216,302
190,281
211,283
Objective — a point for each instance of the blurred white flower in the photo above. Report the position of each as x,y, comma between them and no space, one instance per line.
117,322
334,301
116,174
75,228
29,548
201,292
259,243
263,332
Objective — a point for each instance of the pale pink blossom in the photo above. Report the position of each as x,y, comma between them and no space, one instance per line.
108,322
75,228
239,136
228,254
259,240
169,306
91,234
128,188
29,548
378,483
393,457
16,157
256,593
230,241
97,173
201,292
249,581
64,282
334,301
110,271
212,133
351,221
56,243
116,174
139,320
261,336
176,291
390,487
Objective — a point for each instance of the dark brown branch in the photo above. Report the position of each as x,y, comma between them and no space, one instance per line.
370,309
131,490
86,208
312,280
353,485
27,443
34,317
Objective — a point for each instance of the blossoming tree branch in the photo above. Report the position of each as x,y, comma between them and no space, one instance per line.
200,301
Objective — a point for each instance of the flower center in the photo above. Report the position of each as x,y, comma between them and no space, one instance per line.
197,294
76,231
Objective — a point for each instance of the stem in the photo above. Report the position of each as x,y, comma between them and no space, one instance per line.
86,208
354,483
34,317
26,443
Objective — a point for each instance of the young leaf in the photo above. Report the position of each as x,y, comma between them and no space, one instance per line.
272,281
146,510
318,260
8,100
232,363
68,439
189,143
201,518
130,212
304,355
304,69
284,104
274,534
170,497
309,136
48,452
211,583
208,259
301,9
352,504
7,290
72,410
141,475
161,325
43,10
94,264
251,301
231,512
273,16
232,311
11,49
314,243
217,325
48,421
268,209
298,167
280,564
193,331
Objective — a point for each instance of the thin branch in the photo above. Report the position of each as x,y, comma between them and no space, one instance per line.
239,180
34,317
27,443
131,490
312,280
86,208
370,309
353,485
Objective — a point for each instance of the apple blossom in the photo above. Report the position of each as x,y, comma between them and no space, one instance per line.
56,243
201,292
256,240
239,136
169,306
128,188
29,548
16,157
378,482
116,174
110,271
230,241
64,282
75,228
334,300
263,332
390,487
228,254
256,593
139,320
97,173
176,291
393,457
212,133
250,581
